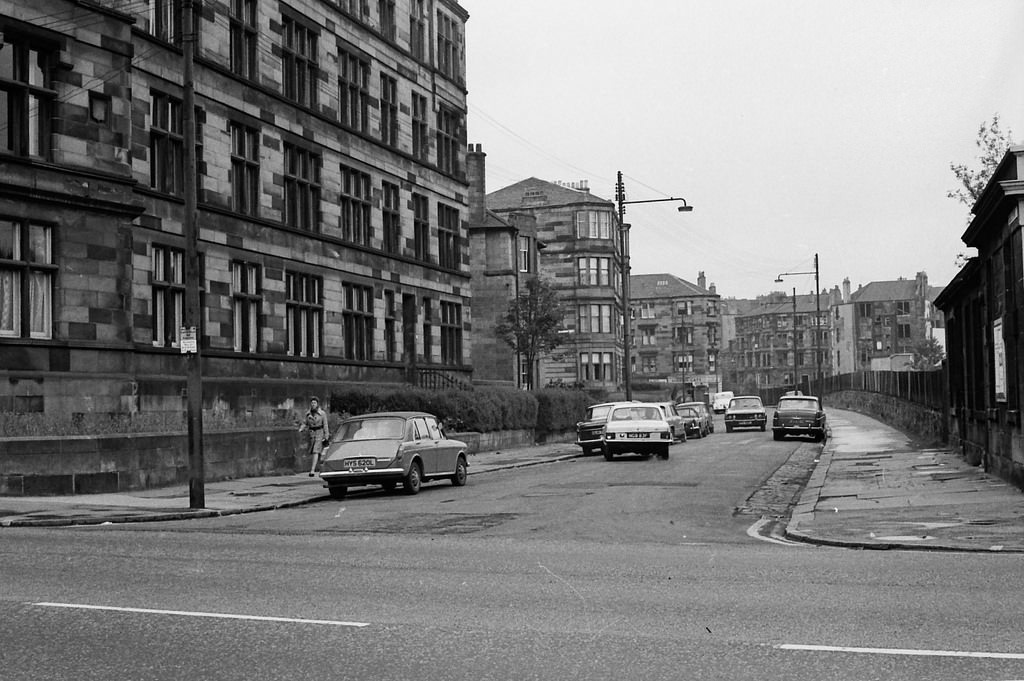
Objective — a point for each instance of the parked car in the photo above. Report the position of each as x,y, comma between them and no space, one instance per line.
674,419
745,411
639,428
693,421
387,448
590,431
720,402
799,415
707,418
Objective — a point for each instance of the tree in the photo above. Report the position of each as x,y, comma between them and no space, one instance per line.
928,354
993,143
532,323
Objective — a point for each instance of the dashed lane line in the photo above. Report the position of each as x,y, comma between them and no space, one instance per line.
903,651
214,615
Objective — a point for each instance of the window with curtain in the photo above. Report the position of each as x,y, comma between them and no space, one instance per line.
168,291
301,188
357,320
451,333
355,206
304,312
27,275
246,299
26,96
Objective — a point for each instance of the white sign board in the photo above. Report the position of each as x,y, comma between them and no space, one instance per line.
189,344
999,358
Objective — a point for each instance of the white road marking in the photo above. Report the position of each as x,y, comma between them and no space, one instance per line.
216,615
904,651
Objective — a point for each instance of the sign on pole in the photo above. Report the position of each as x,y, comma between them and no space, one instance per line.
189,342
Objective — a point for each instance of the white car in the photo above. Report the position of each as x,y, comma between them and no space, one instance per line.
720,402
639,428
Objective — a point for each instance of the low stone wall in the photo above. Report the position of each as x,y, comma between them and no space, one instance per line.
927,425
32,466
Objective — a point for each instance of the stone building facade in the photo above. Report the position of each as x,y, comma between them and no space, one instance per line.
582,259
332,201
677,334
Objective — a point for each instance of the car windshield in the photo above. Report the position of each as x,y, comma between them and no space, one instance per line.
745,403
798,404
688,412
372,429
598,412
636,414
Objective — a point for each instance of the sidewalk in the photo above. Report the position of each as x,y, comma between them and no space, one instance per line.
871,488
227,497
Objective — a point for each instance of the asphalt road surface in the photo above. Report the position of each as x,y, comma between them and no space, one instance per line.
587,569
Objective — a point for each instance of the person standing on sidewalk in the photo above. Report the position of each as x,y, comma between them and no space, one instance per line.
315,422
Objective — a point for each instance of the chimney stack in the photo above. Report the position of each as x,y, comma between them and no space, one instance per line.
476,176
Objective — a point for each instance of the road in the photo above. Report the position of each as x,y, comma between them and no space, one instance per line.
587,569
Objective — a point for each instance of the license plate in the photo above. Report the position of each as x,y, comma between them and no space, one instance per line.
638,435
360,463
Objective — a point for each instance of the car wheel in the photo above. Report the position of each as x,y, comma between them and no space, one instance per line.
337,492
777,435
663,454
762,428
461,472
728,428
413,479
608,456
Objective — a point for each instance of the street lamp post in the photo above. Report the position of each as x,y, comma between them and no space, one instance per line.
817,322
620,198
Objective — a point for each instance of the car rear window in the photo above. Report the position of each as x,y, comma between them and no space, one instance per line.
372,429
636,414
798,404
745,403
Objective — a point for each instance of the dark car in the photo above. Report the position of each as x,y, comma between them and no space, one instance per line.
708,418
387,448
637,427
693,422
746,411
799,415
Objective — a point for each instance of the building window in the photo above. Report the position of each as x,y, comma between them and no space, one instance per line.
166,145
357,321
592,224
647,335
246,300
421,227
449,127
684,362
712,363
418,31
26,97
420,128
390,324
649,364
27,276
449,41
525,254
392,220
594,271
301,188
903,331
428,330
243,38
595,318
863,309
388,110
245,169
165,20
646,310
300,72
451,333
168,295
303,314
447,237
596,366
902,307
388,25
353,91
685,308
355,206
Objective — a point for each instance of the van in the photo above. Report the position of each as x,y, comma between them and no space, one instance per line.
720,402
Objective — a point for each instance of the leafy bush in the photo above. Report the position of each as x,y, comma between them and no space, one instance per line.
559,409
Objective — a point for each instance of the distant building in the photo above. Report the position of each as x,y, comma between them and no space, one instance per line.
882,319
582,259
677,333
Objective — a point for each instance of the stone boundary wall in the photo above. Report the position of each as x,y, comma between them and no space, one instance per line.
927,425
86,464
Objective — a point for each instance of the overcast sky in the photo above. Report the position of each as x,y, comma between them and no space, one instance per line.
793,127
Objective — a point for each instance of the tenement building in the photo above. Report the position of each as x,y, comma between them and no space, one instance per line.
582,260
677,334
329,191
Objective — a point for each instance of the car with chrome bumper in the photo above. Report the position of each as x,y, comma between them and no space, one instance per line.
799,415
746,411
637,428
391,448
590,431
